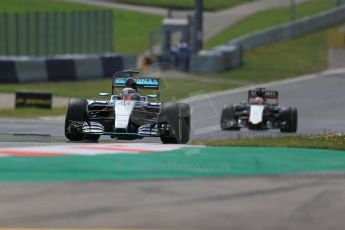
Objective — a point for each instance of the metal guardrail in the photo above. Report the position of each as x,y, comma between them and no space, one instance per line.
51,33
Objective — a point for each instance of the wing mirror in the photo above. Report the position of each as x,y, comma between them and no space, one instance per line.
103,94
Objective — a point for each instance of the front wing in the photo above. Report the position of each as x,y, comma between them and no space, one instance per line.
96,128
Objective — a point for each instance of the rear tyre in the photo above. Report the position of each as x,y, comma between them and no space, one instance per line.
289,119
76,111
228,119
177,116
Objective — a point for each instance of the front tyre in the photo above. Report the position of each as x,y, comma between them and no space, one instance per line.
177,117
228,119
76,111
289,119
185,122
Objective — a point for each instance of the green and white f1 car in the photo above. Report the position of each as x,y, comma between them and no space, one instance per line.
127,114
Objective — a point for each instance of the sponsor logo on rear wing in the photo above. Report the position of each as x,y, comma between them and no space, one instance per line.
270,96
142,82
267,94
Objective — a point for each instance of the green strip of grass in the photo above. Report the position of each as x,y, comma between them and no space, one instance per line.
31,112
292,58
327,141
267,19
171,89
15,6
132,31
186,4
128,36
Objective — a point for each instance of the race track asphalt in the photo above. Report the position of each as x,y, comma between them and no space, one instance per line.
267,202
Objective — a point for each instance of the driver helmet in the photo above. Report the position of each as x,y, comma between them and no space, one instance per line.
259,101
130,91
128,94
131,83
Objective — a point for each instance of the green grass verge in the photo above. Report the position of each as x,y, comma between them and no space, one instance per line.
126,29
31,112
326,141
186,4
132,31
171,90
295,57
269,18
15,6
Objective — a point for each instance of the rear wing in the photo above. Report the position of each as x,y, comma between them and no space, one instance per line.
270,96
142,82
147,83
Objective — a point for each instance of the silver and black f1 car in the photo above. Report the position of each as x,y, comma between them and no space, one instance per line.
128,115
261,112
